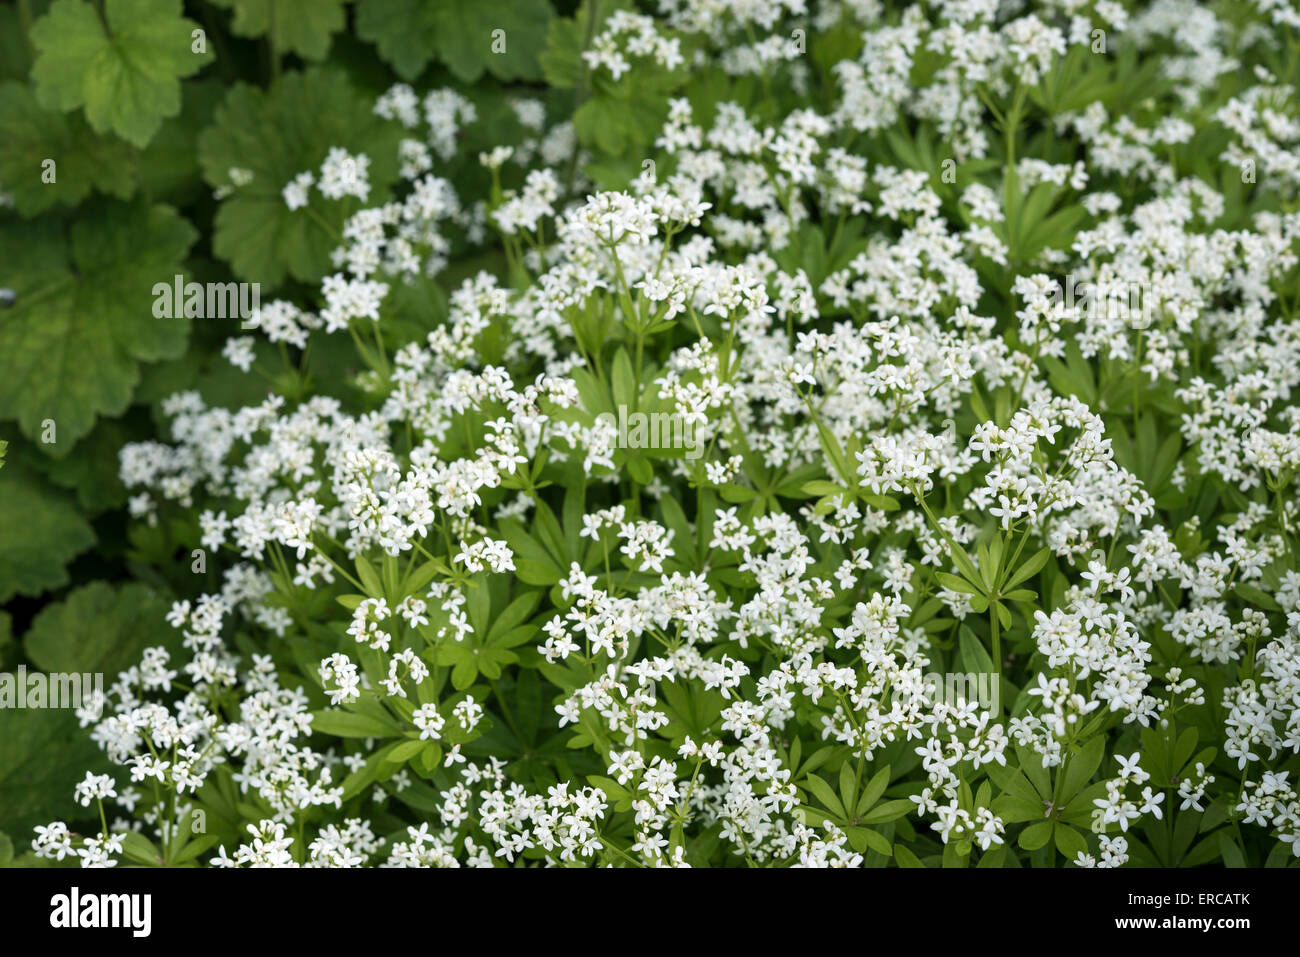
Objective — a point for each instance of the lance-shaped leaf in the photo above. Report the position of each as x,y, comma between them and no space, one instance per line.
1032,566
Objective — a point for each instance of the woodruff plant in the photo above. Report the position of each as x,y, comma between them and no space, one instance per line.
453,616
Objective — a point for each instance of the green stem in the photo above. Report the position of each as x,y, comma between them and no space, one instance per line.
25,15
584,84
997,642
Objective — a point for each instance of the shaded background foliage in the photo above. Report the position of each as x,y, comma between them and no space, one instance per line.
141,148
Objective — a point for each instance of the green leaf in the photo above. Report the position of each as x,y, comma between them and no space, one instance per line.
872,839
196,847
848,786
974,657
823,792
986,568
368,577
552,533
1003,613
345,724
964,565
817,758
533,563
613,790
1256,596
1035,207
34,789
54,158
169,166
93,473
1013,782
994,857
956,584
561,62
1079,811
820,487
368,772
1032,566
405,32
124,70
737,493
100,628
82,320
405,750
1083,765
420,578
1231,851
835,452
623,381
1183,749
40,532
504,631
888,811
503,38
885,503
275,135
1036,835
871,793
464,674
303,27
1069,841
906,858
15,62
430,757
1031,765
1014,809
136,847
532,572
478,602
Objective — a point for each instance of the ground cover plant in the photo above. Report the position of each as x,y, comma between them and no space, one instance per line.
687,433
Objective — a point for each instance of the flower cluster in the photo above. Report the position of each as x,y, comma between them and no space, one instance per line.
461,619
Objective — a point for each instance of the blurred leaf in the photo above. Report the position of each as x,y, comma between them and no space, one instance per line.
125,69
